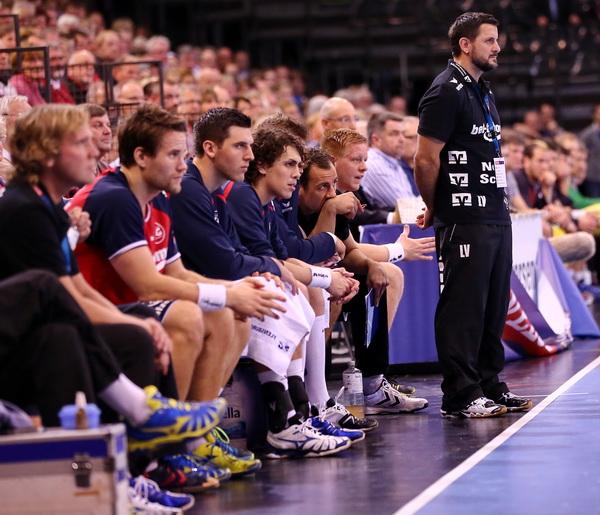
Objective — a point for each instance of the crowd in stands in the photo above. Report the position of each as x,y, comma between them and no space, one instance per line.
193,210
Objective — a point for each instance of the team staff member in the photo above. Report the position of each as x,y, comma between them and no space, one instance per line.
460,174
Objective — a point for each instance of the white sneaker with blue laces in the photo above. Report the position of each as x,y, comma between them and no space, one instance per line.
303,441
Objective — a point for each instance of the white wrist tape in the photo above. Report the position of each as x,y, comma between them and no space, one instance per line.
321,277
211,297
395,251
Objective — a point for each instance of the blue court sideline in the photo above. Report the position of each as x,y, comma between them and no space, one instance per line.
551,466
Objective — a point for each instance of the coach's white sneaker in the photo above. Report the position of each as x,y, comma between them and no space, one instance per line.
387,400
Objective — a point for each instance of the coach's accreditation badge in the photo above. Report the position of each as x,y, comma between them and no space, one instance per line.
500,169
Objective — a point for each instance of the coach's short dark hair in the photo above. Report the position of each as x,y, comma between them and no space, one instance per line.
145,128
378,120
314,157
467,26
214,126
269,144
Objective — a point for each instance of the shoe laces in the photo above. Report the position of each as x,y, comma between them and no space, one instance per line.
307,429
144,486
221,440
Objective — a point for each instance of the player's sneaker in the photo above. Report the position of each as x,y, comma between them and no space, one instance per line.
327,428
482,407
514,402
389,401
406,389
142,505
172,421
302,441
220,456
181,473
147,489
221,439
339,415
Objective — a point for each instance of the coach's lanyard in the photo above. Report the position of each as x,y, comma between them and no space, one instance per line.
484,101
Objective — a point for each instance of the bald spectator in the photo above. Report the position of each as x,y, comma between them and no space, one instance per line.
338,113
80,74
158,48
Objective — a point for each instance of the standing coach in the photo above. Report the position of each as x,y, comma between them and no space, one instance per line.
461,175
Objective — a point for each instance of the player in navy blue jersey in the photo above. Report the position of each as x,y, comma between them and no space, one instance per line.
223,141
461,175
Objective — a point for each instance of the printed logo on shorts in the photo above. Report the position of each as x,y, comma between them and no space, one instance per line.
464,250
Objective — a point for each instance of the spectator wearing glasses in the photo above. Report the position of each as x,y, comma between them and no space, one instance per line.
338,113
80,74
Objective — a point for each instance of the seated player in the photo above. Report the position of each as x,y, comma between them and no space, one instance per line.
52,152
321,208
202,220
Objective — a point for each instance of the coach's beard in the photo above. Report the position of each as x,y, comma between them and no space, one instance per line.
485,66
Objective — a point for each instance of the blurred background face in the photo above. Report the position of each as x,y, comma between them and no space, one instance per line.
409,140
101,133
351,167
389,139
538,165
341,115
80,69
513,154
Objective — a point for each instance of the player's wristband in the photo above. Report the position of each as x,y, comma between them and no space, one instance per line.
211,297
395,251
321,277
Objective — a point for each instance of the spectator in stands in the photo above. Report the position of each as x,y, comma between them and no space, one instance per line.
52,152
397,105
158,48
170,95
323,209
124,72
11,109
189,109
549,125
531,124
101,135
59,91
208,101
537,184
338,113
28,82
107,47
80,74
130,95
385,180
591,138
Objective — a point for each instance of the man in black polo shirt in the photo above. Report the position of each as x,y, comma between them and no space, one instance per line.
460,173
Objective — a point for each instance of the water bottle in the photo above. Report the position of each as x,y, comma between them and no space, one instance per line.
353,390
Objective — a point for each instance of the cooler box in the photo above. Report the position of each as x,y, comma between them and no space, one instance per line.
61,471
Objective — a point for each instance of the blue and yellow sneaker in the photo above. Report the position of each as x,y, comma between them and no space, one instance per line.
223,455
145,488
327,428
221,439
172,421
